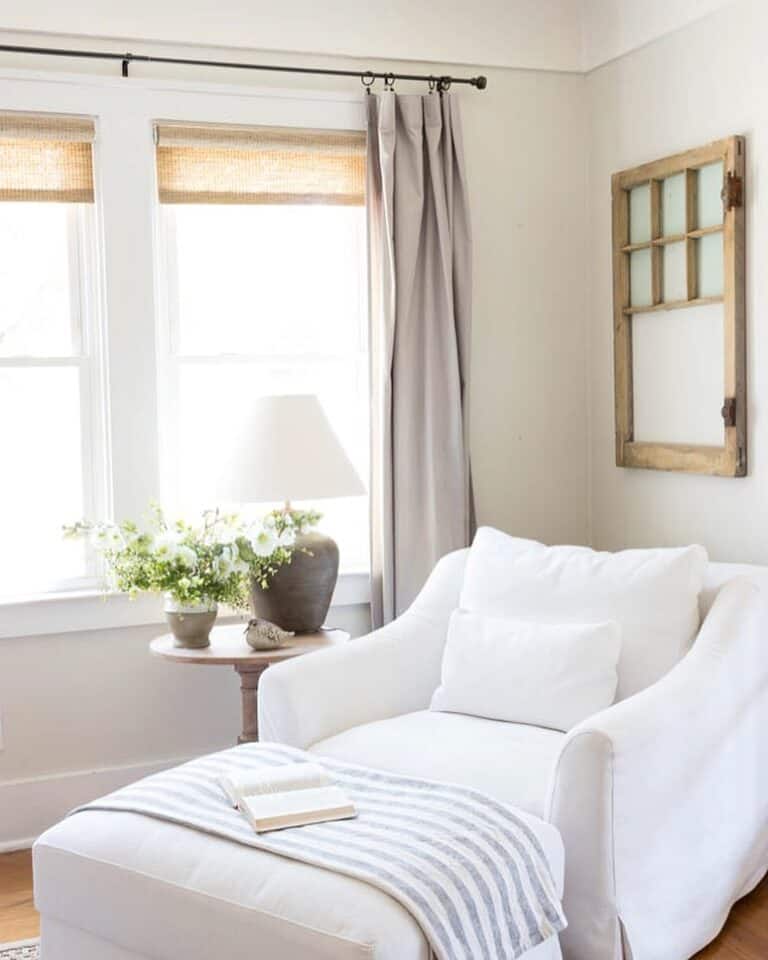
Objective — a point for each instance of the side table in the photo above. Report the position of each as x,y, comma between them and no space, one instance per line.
229,648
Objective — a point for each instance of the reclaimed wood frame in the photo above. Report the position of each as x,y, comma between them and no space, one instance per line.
729,460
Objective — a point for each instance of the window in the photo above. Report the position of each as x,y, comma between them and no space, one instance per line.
679,319
263,236
50,395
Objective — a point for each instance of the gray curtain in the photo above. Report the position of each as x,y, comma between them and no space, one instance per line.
420,297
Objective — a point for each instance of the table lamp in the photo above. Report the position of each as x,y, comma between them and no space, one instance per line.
288,451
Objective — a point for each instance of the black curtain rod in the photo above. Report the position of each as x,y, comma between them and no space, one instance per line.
367,77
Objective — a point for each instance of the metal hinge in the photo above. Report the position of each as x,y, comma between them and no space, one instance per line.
728,411
732,193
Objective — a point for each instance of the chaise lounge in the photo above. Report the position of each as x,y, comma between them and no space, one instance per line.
661,801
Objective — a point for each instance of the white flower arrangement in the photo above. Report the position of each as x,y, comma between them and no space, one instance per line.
196,565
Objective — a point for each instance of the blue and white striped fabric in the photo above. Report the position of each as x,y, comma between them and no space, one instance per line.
468,868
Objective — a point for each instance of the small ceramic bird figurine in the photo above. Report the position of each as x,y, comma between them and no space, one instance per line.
265,635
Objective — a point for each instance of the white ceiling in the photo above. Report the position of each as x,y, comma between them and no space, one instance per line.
572,35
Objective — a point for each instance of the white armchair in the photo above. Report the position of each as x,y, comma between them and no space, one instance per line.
661,800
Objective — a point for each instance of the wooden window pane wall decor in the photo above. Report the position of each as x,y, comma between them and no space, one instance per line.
678,291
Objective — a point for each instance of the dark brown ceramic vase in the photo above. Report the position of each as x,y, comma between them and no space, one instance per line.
300,593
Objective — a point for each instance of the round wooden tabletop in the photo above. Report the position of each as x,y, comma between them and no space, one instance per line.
228,646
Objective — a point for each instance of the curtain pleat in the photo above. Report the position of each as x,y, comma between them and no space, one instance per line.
420,272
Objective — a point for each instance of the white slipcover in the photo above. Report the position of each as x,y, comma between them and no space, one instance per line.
120,886
661,800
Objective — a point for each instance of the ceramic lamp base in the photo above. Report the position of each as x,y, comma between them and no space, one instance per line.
300,593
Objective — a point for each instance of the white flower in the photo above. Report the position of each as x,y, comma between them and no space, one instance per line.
168,546
167,543
227,534
287,538
186,555
230,561
264,543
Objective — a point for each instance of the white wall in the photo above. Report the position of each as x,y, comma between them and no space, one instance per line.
565,35
702,83
612,28
85,711
536,34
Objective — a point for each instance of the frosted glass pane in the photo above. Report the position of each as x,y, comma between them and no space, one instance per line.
640,214
35,289
710,265
273,280
677,361
640,278
673,205
675,286
41,484
710,205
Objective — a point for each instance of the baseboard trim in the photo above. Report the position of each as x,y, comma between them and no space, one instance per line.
34,804
11,846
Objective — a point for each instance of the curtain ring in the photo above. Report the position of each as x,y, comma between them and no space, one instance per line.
367,79
444,84
432,84
389,82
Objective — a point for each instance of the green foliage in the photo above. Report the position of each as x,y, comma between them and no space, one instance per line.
196,565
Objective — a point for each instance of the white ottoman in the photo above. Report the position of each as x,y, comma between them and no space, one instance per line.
120,886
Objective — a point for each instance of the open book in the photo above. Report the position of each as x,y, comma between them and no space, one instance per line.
287,796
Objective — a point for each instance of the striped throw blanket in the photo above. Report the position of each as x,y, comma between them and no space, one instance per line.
468,868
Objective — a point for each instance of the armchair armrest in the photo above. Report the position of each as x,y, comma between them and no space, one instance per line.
391,671
662,799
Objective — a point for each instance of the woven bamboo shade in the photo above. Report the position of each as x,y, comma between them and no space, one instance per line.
207,164
46,158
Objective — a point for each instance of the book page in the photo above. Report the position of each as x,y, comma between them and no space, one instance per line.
290,776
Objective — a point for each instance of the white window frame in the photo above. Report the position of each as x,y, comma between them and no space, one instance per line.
86,319
129,290
171,359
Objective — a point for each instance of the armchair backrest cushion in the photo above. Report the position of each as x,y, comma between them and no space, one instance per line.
652,594
719,574
545,674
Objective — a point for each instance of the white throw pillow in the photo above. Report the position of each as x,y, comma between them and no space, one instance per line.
652,594
549,675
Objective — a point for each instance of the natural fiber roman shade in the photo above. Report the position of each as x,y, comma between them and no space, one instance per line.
46,158
208,164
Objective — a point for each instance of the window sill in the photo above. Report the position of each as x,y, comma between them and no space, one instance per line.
76,611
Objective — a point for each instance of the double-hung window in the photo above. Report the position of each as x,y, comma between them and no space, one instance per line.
264,292
51,401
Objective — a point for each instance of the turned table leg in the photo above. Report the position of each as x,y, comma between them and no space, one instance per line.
249,688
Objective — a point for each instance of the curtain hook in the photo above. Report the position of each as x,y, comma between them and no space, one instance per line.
367,79
389,82
432,84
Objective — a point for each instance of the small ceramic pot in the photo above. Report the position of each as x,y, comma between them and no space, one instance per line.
191,626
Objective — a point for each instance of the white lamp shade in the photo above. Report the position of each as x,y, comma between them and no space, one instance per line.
286,451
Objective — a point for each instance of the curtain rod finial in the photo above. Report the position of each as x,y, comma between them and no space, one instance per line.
481,83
